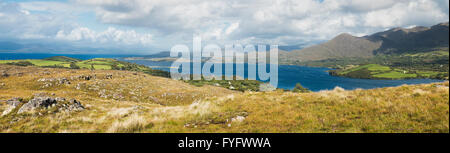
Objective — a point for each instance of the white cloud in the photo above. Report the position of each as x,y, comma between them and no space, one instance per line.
52,21
111,35
404,14
267,19
232,28
168,22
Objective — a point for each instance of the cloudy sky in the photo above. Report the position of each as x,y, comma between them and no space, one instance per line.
148,26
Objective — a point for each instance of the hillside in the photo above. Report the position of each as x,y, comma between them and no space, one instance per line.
417,39
63,59
419,52
375,71
92,64
124,101
344,45
393,41
113,64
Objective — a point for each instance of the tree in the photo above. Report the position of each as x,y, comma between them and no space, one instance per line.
21,63
74,66
115,67
300,89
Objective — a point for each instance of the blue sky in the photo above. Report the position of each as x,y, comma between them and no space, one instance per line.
145,27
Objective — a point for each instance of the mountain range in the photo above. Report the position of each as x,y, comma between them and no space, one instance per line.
393,41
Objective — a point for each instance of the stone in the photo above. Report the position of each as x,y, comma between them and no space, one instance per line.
63,81
14,101
75,105
266,87
12,104
238,119
60,99
4,74
37,102
8,110
79,86
41,101
109,76
86,77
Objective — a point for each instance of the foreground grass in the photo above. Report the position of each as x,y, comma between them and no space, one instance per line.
155,104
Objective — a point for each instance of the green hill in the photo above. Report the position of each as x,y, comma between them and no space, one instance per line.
62,59
375,71
92,64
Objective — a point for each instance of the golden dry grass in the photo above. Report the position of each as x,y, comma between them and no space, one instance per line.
136,102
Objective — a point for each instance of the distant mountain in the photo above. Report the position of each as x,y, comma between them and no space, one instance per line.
19,46
396,40
162,54
344,45
289,48
400,40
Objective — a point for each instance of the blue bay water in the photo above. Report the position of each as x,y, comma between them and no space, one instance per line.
313,78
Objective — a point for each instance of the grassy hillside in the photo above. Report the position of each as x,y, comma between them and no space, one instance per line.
124,101
430,64
112,64
92,64
63,59
64,62
375,71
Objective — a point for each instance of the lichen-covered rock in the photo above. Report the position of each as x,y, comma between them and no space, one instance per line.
63,81
86,77
12,104
109,76
42,101
80,86
238,119
14,101
48,82
73,105
37,102
4,74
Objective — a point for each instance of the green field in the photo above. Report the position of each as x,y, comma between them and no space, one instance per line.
92,64
36,62
395,75
433,64
96,63
376,71
370,67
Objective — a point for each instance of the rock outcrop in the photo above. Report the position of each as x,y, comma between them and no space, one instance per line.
37,102
40,102
4,74
12,104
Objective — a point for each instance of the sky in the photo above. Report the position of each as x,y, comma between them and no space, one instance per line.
150,26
